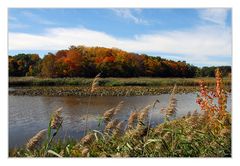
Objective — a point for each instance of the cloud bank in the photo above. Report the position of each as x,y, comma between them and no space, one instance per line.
203,41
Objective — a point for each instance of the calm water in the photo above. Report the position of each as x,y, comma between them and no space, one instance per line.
28,115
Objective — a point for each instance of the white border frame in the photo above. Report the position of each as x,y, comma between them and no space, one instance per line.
234,4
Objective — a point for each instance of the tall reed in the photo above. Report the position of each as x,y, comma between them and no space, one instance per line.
55,124
171,109
93,89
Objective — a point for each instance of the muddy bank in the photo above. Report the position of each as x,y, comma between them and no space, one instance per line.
101,91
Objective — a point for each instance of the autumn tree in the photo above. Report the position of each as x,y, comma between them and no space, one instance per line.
81,61
48,67
24,65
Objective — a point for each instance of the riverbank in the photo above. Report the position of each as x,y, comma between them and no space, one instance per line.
32,86
101,91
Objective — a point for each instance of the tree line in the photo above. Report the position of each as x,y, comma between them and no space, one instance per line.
81,61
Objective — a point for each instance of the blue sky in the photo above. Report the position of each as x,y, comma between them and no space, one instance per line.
200,36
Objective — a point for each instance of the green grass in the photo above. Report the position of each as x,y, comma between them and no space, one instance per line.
109,82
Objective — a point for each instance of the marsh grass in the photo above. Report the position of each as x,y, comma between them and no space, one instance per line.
110,82
93,89
205,134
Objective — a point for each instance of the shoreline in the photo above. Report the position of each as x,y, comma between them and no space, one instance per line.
101,91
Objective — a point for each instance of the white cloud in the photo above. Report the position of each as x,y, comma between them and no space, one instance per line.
129,15
196,44
217,16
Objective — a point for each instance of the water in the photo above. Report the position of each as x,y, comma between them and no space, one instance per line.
28,115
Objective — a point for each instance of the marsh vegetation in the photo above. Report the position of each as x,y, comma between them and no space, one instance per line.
204,134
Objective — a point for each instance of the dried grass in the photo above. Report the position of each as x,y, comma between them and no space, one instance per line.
36,140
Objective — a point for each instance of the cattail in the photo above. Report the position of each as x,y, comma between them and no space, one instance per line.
132,119
85,152
88,139
56,119
36,139
95,83
111,125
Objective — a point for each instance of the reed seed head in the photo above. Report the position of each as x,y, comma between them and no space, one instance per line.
143,114
118,107
140,132
111,125
95,83
171,109
36,140
88,139
56,119
119,129
108,114
132,119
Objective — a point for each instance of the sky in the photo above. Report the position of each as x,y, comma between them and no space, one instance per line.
202,37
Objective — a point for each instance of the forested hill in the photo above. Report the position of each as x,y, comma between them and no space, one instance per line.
84,61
